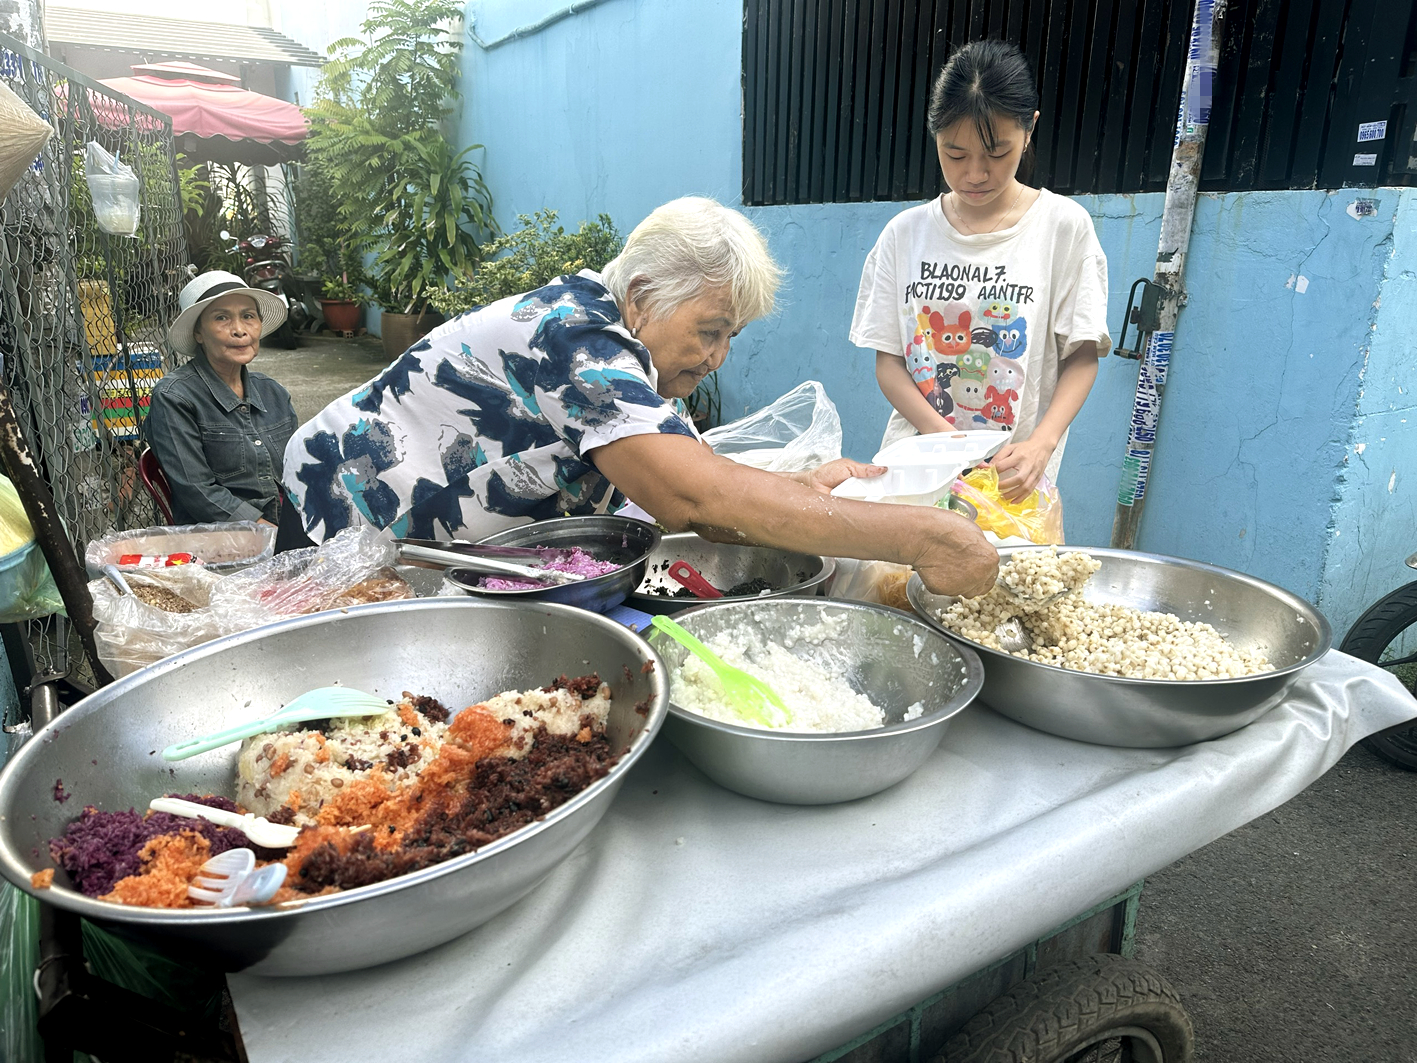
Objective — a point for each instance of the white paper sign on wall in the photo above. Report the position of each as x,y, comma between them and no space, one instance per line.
1371,131
1365,160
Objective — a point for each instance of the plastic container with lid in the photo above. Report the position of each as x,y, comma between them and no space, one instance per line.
922,469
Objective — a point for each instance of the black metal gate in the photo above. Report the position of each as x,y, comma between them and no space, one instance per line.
1311,93
84,315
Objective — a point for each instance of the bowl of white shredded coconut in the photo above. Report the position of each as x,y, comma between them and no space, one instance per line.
869,693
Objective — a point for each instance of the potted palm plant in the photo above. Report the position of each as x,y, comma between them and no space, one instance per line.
340,300
408,198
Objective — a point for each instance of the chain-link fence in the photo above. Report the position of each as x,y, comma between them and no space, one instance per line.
83,314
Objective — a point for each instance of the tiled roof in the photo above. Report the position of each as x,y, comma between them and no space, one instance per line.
118,32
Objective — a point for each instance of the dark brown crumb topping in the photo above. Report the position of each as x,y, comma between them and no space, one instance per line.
584,687
507,794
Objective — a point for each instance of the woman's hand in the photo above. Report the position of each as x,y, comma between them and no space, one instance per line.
835,473
957,559
1020,467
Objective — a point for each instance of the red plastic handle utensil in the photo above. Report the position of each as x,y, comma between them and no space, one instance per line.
686,575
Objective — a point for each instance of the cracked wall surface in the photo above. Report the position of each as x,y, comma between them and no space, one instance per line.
1290,355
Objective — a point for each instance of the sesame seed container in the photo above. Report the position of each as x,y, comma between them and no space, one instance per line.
1152,713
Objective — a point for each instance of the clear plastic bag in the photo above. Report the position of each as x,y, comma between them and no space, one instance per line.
353,568
114,188
27,589
1038,518
219,547
798,431
131,633
880,582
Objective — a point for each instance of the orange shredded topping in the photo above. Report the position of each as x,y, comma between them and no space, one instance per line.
407,715
42,880
583,735
169,864
280,764
477,730
293,800
355,804
323,755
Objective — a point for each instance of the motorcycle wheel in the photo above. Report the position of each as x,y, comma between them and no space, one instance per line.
1386,635
284,337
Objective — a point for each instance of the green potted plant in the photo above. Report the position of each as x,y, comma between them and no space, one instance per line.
531,256
377,129
340,299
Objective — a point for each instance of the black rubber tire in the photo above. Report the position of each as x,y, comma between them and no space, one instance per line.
1073,1006
284,337
1374,632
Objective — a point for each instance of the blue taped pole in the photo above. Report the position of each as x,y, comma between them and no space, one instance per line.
1181,188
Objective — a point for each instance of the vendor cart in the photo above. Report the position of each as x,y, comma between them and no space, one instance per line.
695,924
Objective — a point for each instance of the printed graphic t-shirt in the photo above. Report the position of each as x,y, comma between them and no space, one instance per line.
984,321
485,423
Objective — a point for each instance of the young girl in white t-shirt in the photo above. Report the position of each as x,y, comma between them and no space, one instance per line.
986,307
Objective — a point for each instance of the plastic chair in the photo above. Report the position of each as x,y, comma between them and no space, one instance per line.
156,483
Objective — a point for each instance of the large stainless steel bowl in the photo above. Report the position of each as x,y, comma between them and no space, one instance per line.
725,565
459,650
1147,713
889,656
606,538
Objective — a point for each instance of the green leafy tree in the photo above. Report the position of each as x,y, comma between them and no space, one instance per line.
376,126
530,257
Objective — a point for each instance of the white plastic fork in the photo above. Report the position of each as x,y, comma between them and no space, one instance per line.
230,880
260,831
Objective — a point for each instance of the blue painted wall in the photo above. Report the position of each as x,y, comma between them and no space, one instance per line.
1291,355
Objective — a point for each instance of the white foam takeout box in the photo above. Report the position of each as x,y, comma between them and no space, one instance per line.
920,469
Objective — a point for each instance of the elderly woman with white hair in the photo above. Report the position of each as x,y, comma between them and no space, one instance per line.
562,401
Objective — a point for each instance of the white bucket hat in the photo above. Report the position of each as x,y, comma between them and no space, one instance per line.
203,290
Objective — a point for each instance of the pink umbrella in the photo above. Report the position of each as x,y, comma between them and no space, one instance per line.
213,118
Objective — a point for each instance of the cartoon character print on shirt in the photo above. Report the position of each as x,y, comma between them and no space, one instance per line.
1011,339
998,312
974,364
968,395
1003,390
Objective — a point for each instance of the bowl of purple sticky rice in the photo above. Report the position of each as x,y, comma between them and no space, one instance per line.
611,552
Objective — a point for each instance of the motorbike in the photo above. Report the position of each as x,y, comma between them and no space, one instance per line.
268,267
1386,635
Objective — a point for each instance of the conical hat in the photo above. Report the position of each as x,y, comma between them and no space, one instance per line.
22,134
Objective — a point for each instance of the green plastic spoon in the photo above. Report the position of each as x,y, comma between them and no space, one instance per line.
319,704
746,694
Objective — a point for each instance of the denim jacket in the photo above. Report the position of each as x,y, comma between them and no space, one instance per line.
221,454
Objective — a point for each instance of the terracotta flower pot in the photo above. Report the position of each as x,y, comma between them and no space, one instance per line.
342,315
402,331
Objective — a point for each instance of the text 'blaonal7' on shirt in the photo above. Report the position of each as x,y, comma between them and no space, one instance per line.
984,321
485,423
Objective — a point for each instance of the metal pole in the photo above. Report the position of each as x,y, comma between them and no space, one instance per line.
1181,187
49,532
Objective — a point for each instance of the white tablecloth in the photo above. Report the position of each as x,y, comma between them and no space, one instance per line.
697,925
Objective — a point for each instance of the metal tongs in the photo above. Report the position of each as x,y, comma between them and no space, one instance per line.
488,560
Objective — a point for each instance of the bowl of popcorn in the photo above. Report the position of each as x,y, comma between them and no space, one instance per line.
1123,648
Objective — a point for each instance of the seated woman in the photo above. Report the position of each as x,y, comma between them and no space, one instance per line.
562,401
219,430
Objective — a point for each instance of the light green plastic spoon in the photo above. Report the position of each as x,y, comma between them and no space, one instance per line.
746,694
319,704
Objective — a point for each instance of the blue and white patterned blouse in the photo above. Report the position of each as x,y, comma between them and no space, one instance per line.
484,423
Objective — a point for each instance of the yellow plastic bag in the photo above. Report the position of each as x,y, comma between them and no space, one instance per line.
1038,518
27,590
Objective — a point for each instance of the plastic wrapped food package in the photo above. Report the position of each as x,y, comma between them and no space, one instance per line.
173,609
1038,518
131,632
879,582
220,547
353,568
113,186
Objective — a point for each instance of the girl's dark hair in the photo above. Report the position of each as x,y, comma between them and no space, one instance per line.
982,80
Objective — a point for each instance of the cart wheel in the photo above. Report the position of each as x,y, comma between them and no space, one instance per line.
1386,635
1102,1009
